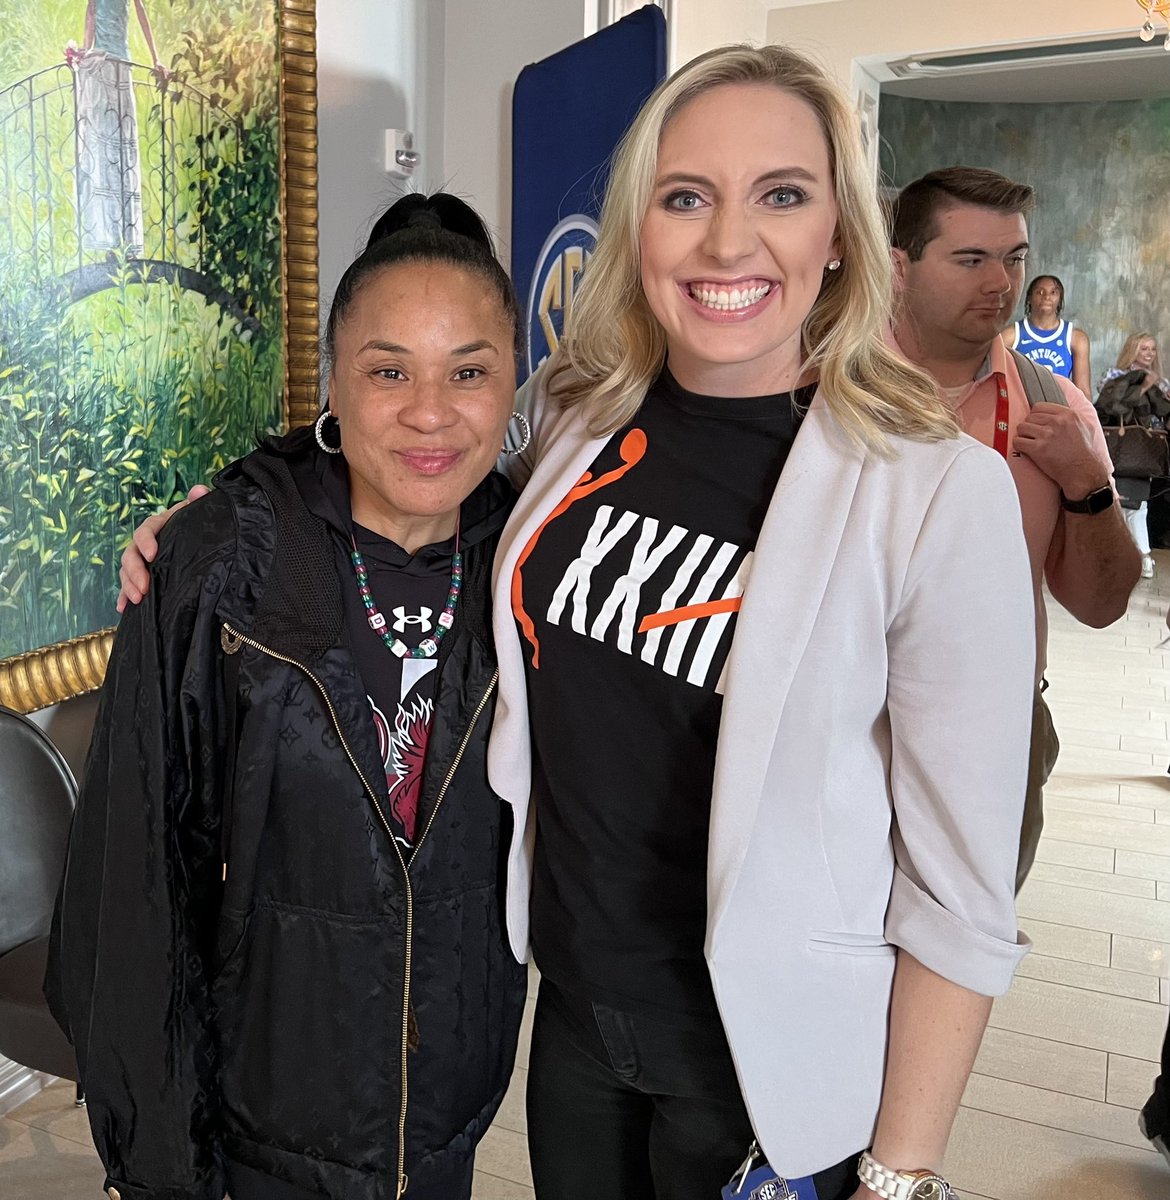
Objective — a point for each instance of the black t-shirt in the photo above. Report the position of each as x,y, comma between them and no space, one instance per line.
632,592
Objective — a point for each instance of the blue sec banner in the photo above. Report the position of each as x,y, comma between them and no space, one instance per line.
568,114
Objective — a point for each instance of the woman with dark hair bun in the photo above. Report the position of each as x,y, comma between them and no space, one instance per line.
280,950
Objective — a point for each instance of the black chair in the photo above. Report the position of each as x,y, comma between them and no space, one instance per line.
37,796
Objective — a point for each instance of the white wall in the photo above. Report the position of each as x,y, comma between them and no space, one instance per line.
701,25
841,31
380,65
486,46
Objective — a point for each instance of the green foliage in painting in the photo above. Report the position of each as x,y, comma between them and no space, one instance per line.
231,55
117,395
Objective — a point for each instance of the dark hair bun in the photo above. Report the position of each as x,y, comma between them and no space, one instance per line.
440,211
424,229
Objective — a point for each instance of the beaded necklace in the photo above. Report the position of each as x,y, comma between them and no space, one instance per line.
428,647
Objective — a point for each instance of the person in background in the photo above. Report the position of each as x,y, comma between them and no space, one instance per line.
279,946
744,735
960,242
1046,338
1134,389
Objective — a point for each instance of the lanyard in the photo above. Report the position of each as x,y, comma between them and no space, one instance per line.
1001,414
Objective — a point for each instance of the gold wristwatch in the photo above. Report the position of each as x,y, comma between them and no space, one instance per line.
903,1185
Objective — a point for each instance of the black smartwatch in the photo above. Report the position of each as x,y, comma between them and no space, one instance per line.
1097,501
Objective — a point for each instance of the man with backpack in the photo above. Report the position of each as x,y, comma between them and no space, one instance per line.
960,240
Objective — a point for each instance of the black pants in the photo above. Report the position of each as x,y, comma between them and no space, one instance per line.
626,1108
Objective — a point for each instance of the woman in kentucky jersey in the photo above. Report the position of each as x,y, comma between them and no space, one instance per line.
1046,338
765,637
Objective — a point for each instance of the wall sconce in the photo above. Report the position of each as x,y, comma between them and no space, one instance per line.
399,157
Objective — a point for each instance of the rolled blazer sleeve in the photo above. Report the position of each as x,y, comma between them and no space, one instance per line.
962,649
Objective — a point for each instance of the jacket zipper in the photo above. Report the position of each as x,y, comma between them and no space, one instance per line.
231,641
403,1180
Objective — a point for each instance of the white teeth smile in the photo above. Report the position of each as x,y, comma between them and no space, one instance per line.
728,299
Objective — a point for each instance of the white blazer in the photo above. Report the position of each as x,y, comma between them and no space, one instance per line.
871,763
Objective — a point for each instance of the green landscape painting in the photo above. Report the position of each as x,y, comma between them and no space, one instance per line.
140,281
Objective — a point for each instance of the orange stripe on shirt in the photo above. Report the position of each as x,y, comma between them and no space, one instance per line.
690,612
632,451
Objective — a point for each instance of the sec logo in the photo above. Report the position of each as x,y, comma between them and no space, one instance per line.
554,282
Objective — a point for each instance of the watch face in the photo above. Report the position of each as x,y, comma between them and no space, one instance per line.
929,1189
1100,500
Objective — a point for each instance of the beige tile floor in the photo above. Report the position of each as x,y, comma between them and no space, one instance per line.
1051,1111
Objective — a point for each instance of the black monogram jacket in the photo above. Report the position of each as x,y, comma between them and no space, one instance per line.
263,992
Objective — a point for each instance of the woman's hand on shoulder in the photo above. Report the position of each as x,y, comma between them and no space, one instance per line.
134,574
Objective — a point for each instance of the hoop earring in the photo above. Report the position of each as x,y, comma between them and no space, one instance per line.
523,422
319,430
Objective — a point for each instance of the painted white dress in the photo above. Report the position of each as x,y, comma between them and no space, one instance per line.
109,172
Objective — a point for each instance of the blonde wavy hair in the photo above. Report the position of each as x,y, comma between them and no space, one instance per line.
1129,350
614,347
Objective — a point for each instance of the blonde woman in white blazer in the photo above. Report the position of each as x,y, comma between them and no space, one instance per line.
765,638
869,756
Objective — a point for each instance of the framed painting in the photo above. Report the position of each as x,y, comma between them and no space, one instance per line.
158,288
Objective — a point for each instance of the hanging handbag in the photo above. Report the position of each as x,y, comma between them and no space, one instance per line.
1127,398
1121,398
1137,452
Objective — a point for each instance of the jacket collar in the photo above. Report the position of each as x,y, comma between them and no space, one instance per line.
284,592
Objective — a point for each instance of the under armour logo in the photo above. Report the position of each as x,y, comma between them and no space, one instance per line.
422,619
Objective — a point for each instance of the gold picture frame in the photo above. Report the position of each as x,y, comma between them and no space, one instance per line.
51,674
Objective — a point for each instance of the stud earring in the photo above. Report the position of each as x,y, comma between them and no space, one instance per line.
834,264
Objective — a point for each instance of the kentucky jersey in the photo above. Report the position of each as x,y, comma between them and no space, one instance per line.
1051,348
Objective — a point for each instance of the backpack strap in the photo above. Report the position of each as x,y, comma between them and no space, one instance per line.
1040,384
